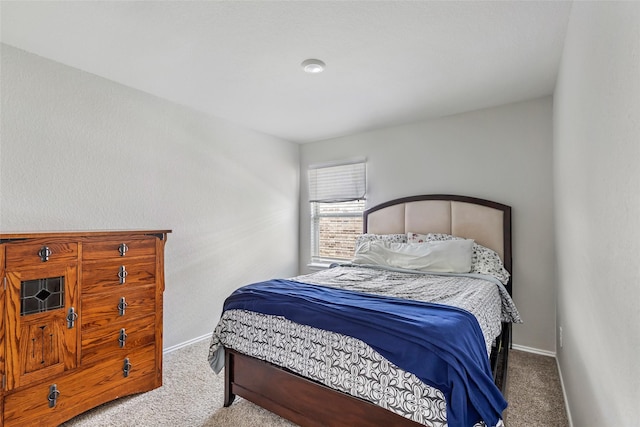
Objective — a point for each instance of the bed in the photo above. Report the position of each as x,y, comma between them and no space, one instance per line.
343,368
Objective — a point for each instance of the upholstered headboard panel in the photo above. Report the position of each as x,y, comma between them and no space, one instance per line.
486,222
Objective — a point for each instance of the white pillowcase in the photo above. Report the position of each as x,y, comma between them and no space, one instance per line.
449,256
483,260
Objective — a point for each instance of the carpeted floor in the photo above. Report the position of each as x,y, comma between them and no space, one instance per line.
192,394
534,392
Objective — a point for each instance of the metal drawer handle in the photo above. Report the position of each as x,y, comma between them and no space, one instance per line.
54,393
122,338
122,274
127,367
123,248
122,306
44,253
71,318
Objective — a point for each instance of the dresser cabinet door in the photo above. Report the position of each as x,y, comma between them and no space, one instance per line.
41,317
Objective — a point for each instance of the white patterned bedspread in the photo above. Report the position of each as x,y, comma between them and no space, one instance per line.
347,364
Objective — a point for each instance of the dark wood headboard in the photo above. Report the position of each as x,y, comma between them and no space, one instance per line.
485,221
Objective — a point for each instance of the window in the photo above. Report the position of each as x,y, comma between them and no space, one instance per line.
337,198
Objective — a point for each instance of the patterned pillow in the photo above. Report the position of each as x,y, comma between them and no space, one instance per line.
483,260
393,238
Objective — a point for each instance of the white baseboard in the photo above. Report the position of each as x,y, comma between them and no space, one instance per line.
534,350
186,343
564,394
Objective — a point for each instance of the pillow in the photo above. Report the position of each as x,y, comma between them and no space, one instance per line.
483,259
453,256
397,238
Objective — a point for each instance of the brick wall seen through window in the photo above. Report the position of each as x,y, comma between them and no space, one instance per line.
335,227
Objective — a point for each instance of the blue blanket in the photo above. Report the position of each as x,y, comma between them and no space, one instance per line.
441,345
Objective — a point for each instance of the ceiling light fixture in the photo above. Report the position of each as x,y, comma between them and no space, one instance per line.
313,66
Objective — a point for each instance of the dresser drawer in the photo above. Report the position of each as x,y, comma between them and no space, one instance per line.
80,391
101,343
124,304
124,248
101,276
39,252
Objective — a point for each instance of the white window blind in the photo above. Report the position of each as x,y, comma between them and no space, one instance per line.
338,183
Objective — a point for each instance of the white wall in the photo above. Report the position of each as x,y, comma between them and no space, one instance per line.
502,154
82,152
597,204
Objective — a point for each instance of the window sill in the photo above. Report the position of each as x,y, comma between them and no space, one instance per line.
323,265
319,265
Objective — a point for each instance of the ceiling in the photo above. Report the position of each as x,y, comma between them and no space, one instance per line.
388,62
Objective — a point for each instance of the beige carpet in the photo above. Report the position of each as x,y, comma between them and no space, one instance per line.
192,396
534,392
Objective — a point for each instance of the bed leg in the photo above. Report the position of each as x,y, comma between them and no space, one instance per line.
228,379
228,397
505,358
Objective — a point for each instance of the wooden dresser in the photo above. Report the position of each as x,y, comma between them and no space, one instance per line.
81,321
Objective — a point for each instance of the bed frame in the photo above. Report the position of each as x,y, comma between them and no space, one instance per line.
310,404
